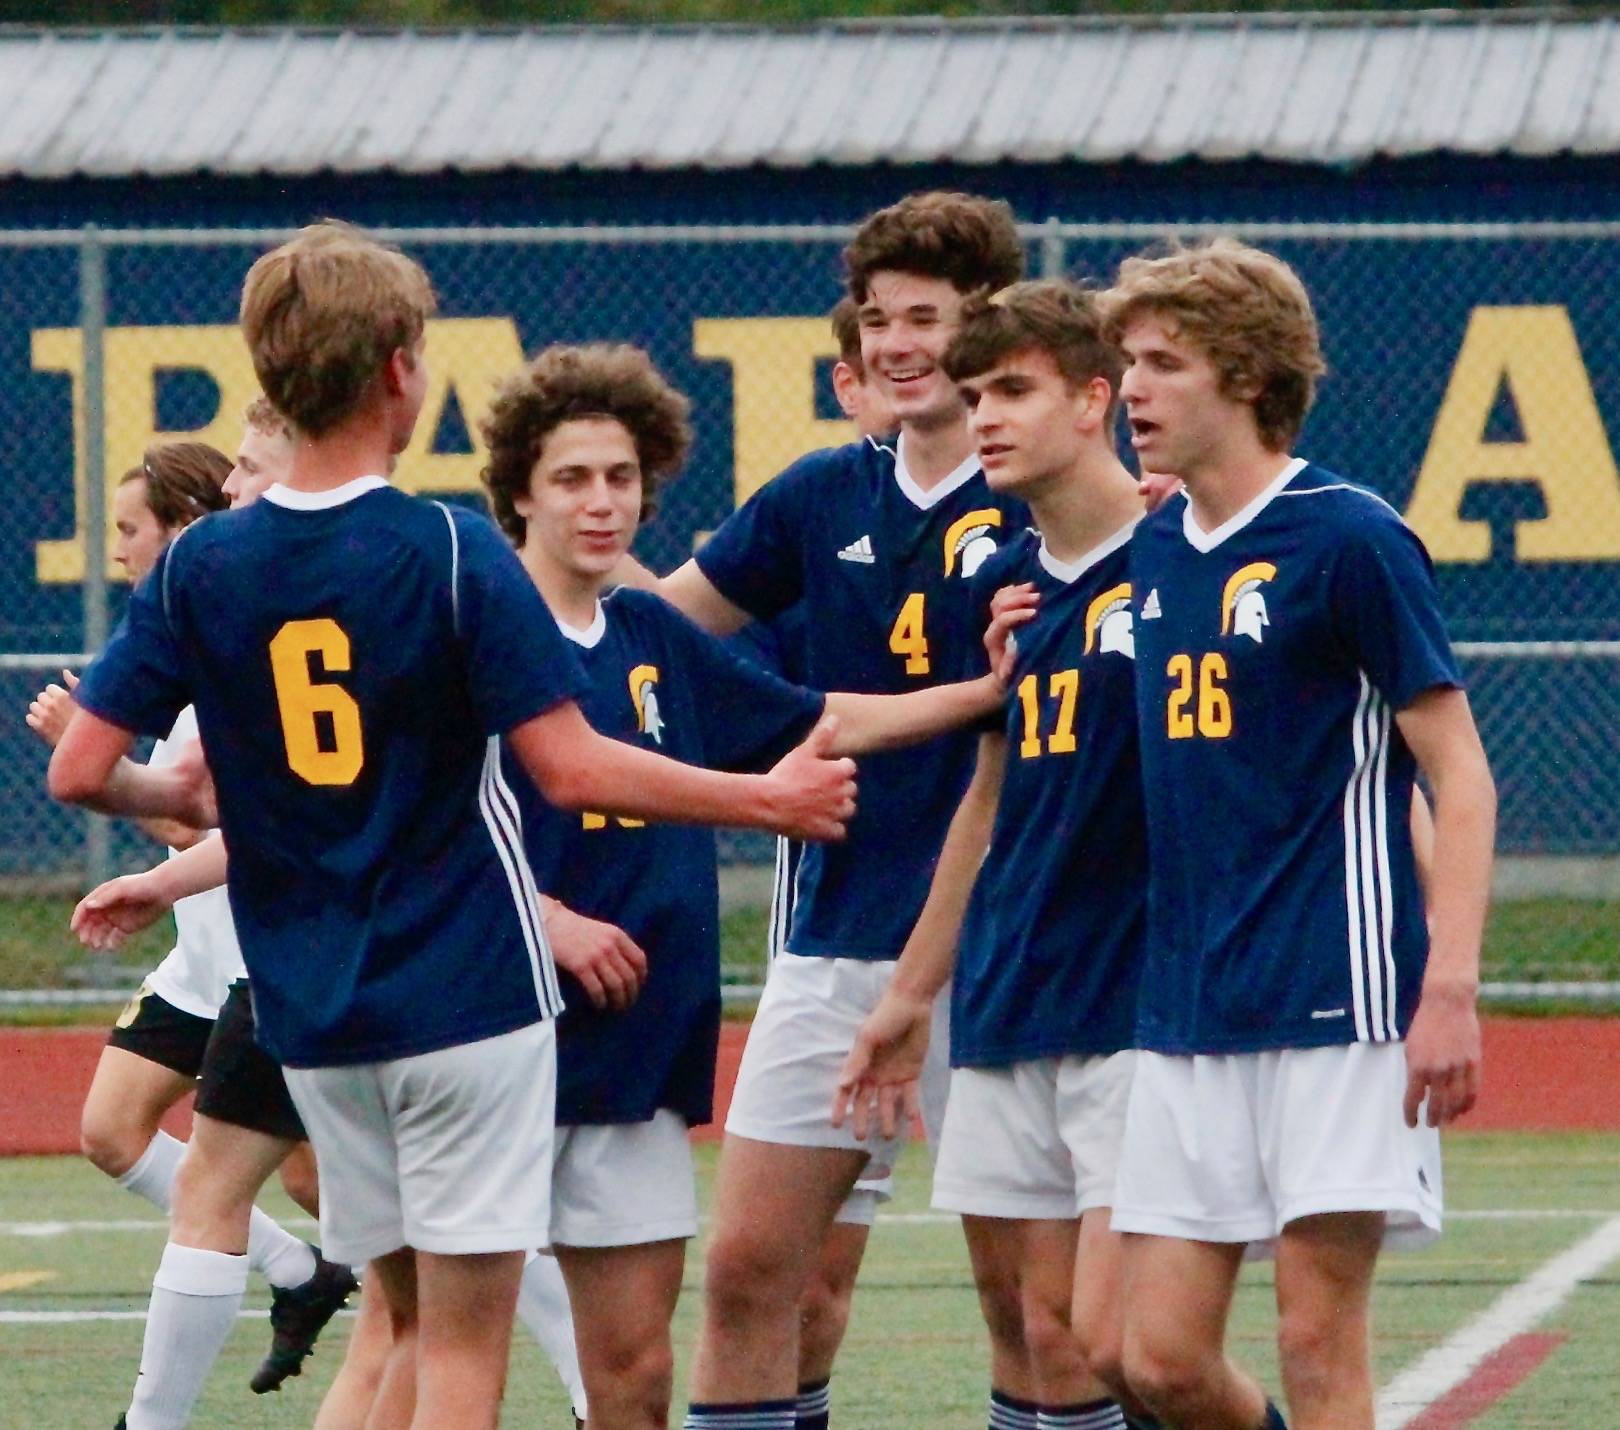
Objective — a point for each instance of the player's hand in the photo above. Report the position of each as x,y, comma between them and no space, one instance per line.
110,912
50,710
877,1086
1010,608
1443,1056
196,780
810,791
1155,489
608,963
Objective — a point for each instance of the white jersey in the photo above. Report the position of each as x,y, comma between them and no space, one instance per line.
206,958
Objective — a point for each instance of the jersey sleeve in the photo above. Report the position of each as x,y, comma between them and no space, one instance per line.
756,558
518,663
750,717
1386,610
138,681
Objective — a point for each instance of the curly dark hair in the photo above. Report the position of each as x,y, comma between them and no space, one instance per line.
970,242
184,480
565,383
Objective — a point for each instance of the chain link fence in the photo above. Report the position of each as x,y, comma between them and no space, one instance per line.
1474,372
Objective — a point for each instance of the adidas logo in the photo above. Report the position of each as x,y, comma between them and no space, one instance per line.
859,551
1150,607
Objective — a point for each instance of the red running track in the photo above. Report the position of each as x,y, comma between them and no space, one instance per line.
1541,1074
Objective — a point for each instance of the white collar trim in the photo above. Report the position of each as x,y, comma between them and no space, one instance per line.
937,493
1071,571
1201,540
286,496
591,635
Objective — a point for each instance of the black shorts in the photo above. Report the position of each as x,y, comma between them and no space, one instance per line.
151,1027
241,1083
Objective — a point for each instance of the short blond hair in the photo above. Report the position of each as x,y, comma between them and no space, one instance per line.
322,316
262,416
1249,313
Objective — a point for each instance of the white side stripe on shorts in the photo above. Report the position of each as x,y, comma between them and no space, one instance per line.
1371,918
499,808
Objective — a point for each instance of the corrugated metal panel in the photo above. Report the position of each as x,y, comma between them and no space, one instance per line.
1323,89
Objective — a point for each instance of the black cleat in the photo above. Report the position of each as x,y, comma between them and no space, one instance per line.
297,1316
123,1423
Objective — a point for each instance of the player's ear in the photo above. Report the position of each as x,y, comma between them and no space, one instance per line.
846,383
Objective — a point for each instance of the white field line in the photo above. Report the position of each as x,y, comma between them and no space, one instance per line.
72,1228
1516,1311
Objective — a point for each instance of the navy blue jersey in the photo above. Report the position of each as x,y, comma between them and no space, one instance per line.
1051,948
354,656
1271,655
656,681
882,571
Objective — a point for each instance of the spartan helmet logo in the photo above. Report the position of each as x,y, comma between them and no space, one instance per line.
1243,603
1109,623
1249,616
969,540
643,691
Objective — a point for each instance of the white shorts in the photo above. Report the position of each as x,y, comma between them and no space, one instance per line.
623,1184
448,1151
1233,1147
803,1031
1037,1140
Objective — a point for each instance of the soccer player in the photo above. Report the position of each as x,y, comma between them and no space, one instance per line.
1050,840
578,445
1304,1030
879,541
351,708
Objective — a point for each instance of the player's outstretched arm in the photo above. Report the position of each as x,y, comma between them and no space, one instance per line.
609,964
88,768
809,794
1443,1045
48,716
110,912
885,722
878,1082
696,597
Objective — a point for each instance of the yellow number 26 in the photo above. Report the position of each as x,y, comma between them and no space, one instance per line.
302,701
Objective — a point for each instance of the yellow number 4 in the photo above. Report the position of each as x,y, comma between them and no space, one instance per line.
1214,705
908,638
301,700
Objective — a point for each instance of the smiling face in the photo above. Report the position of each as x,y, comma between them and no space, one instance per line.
583,505
907,322
1181,422
141,536
1029,422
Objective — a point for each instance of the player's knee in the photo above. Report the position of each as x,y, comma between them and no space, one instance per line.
1317,1349
1050,1341
110,1144
634,1371
1102,1344
1001,1303
1163,1375
744,1274
823,1318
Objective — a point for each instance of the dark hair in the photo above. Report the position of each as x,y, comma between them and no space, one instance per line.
846,325
565,383
1053,316
971,243
184,480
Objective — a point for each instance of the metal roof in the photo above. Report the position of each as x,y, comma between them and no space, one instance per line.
1321,89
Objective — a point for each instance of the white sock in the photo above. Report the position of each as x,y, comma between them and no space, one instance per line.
276,1254
195,1297
152,1176
543,1307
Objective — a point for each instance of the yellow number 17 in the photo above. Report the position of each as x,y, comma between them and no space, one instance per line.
301,700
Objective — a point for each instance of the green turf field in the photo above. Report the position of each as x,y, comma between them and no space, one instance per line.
1537,940
915,1354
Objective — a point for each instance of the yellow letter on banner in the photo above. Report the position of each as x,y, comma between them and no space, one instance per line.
773,378
134,356
1565,449
467,356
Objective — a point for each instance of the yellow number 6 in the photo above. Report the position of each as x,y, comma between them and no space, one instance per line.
301,700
